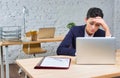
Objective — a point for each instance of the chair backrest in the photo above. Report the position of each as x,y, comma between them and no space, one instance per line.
46,32
28,34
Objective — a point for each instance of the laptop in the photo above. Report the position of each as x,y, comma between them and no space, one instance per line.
46,32
95,50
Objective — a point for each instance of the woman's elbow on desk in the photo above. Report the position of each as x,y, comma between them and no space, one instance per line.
66,51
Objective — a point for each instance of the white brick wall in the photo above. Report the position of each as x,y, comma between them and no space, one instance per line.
116,19
57,13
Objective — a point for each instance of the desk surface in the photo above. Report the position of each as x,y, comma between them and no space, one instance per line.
55,39
76,71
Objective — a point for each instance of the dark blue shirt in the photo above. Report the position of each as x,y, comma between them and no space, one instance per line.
68,45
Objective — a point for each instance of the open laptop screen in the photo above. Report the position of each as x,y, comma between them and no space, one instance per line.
46,32
95,50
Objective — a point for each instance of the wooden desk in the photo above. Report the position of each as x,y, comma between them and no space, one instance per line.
75,71
6,44
55,39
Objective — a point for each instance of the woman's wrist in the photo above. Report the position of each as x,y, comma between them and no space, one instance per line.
107,33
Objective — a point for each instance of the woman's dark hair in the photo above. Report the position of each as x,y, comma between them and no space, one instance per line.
94,12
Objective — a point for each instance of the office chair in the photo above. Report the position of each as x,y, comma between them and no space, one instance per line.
32,48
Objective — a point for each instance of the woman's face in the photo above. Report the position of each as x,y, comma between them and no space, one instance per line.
91,26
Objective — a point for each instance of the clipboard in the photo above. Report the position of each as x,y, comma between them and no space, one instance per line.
54,63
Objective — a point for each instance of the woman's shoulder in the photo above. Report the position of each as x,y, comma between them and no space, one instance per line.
78,27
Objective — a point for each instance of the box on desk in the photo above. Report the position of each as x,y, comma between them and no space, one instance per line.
10,33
